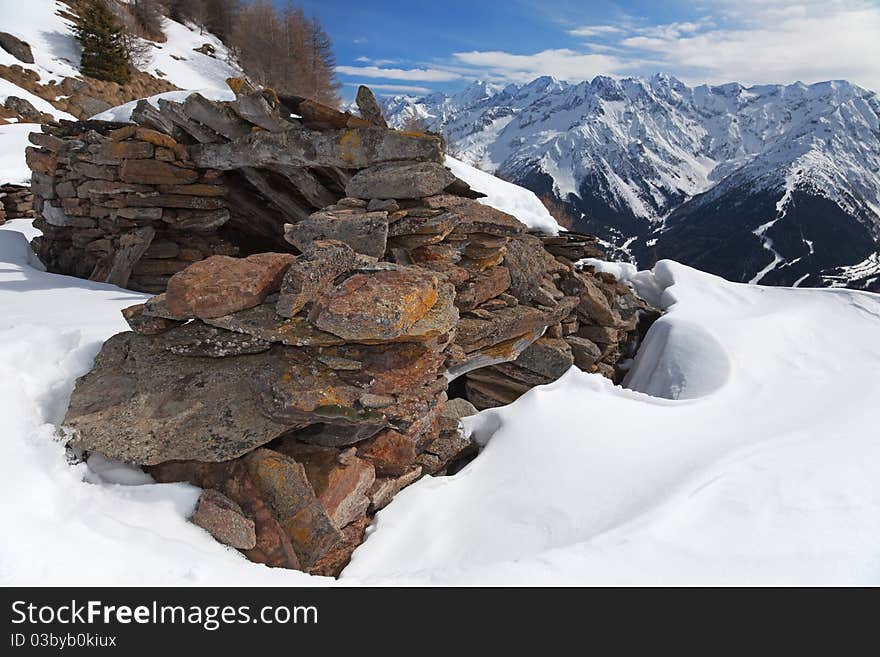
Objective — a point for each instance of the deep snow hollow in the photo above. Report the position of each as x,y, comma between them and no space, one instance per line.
747,453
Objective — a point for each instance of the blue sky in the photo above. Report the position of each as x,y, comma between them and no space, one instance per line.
416,47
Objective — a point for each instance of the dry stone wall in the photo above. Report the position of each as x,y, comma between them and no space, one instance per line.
16,202
134,203
123,204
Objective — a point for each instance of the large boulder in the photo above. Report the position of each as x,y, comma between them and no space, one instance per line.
144,404
16,47
23,108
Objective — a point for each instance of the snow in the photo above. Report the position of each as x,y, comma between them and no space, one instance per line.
505,196
743,452
177,62
56,52
13,141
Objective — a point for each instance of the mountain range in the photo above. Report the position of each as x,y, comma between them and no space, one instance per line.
771,184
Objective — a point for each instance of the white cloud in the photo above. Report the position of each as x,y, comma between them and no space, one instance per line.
779,43
376,62
392,88
673,30
414,74
595,30
561,63
748,41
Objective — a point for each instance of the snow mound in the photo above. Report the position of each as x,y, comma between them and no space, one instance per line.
505,196
681,361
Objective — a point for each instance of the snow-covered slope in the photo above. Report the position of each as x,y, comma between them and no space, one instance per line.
745,453
635,157
56,56
505,196
13,141
177,61
37,22
56,52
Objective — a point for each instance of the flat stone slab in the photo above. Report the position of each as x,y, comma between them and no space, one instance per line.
221,285
382,305
143,404
400,180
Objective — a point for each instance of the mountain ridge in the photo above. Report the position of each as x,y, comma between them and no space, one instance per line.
650,163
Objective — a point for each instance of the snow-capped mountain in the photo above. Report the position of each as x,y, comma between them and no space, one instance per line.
773,184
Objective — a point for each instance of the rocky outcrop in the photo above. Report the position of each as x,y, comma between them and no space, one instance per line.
308,388
22,111
83,96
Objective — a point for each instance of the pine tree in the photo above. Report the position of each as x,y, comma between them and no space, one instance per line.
104,55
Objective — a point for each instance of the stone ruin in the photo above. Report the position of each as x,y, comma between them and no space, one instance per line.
134,203
302,386
16,202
